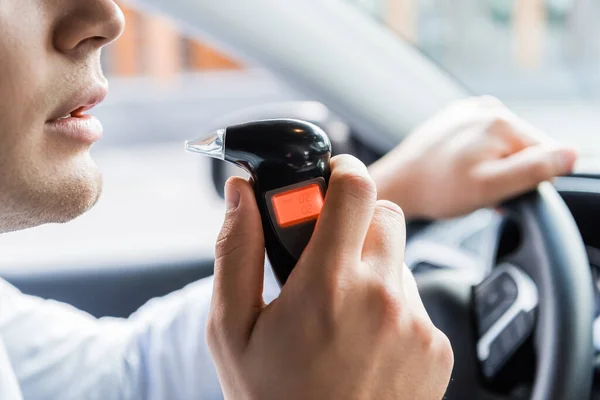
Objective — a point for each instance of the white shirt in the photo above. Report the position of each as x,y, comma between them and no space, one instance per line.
50,350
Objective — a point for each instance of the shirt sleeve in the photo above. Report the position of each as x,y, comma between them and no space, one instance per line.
160,352
9,387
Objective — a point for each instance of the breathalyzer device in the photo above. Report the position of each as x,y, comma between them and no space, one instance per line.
288,162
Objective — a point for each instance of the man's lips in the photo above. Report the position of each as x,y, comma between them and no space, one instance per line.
85,128
86,100
70,121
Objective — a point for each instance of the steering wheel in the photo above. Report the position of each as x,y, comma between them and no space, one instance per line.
540,293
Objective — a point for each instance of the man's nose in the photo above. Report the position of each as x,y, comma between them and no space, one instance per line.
89,25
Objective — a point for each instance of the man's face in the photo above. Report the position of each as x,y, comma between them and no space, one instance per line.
50,68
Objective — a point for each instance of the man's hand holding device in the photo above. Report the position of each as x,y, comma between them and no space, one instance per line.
348,313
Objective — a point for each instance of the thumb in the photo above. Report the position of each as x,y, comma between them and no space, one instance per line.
239,266
522,171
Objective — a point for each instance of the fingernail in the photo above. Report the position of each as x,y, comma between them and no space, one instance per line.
567,159
232,197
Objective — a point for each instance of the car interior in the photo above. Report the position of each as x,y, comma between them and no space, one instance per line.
516,288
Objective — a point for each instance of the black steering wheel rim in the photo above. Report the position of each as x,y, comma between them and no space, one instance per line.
552,253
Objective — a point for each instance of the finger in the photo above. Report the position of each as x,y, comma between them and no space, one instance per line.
522,134
383,249
347,212
529,135
507,125
522,171
239,266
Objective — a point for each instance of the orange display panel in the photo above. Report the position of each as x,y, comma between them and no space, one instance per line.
298,205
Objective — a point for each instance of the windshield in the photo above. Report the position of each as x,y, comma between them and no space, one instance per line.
541,57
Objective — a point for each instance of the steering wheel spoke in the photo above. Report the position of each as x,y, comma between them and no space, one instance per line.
505,304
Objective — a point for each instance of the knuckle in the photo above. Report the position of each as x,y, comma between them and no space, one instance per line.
354,183
499,124
213,329
443,351
392,210
226,231
385,304
422,330
211,333
229,240
539,170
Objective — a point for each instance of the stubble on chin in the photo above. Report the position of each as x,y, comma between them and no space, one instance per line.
53,201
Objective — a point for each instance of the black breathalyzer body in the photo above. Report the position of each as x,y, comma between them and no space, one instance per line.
288,161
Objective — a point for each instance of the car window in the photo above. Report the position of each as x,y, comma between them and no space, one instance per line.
541,57
158,202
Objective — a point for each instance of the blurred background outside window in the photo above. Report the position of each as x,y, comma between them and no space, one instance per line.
542,57
519,50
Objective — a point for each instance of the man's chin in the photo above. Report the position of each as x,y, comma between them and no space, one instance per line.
77,199
52,201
